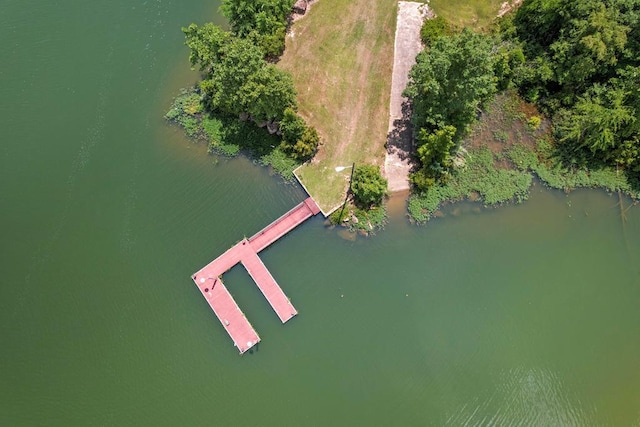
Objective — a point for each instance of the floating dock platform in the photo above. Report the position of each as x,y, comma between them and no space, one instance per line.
209,278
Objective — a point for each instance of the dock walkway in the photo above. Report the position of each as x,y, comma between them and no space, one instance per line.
209,282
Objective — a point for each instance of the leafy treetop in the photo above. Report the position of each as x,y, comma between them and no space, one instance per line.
368,185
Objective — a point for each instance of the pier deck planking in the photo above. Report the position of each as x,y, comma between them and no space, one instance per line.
209,282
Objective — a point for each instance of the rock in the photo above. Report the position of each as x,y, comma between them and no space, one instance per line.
272,127
244,116
300,7
262,124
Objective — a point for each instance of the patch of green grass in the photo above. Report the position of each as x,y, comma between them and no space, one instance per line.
501,136
467,13
341,60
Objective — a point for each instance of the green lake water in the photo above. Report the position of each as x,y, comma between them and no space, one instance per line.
523,315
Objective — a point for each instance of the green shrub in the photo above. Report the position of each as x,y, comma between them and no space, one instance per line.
534,123
368,185
501,136
433,29
339,216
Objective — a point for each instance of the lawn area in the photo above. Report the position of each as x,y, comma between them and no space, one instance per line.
341,58
470,13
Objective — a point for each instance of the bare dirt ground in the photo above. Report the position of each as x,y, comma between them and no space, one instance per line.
508,6
503,123
397,163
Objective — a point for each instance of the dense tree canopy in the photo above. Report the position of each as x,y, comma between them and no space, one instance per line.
578,60
263,21
582,67
236,77
451,80
239,83
206,44
448,84
297,138
572,44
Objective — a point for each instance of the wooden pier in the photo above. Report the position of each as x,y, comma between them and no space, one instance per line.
209,278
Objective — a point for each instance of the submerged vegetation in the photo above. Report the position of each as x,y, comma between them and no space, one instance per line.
568,109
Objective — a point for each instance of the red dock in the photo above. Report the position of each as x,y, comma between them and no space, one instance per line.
209,281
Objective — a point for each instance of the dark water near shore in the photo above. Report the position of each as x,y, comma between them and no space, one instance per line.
524,315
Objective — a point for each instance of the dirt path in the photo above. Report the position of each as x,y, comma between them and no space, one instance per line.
407,45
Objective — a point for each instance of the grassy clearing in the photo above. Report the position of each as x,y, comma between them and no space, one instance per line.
341,59
505,148
467,13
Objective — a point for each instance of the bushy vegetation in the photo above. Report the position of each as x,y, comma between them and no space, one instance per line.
478,179
241,95
228,135
364,211
298,139
264,22
236,78
368,185
556,175
583,69
579,62
448,84
433,29
360,219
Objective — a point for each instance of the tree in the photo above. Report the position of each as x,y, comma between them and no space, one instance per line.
206,44
263,21
434,154
306,147
292,127
591,42
297,138
596,121
270,92
238,80
605,120
581,42
226,85
450,81
368,185
582,67
433,29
